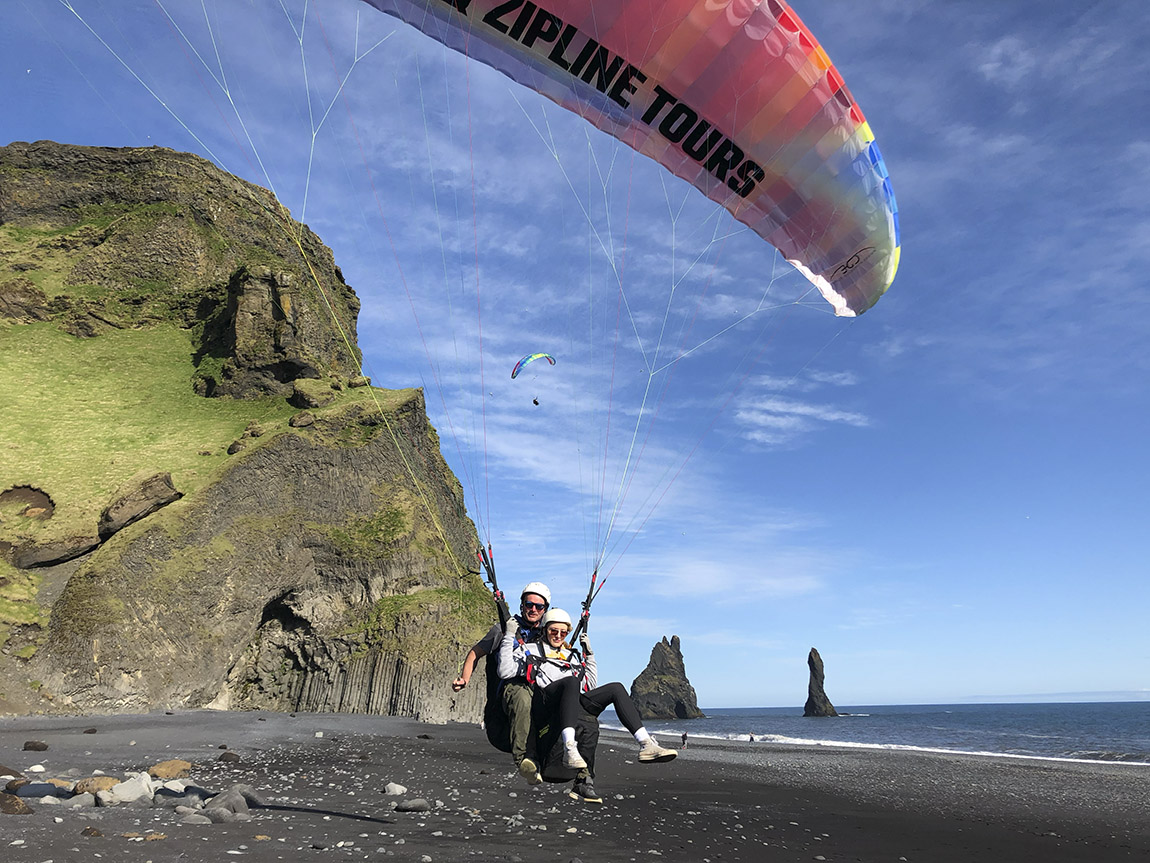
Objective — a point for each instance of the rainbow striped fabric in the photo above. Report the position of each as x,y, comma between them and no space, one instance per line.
734,96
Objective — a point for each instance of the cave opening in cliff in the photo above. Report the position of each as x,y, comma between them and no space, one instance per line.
279,611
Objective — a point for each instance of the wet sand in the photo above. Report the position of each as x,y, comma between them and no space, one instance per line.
716,802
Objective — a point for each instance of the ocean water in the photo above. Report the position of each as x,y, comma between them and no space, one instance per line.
1110,732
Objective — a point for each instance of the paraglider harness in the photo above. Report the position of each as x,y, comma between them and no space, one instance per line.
495,722
575,666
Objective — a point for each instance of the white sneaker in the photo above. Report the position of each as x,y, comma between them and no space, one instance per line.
572,758
650,752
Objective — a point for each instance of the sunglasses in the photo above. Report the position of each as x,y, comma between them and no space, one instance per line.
537,606
551,630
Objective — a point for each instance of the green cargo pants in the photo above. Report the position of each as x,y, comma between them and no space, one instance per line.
516,697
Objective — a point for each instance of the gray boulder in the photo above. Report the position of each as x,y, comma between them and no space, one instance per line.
142,495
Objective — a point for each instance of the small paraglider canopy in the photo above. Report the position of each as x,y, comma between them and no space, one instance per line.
530,358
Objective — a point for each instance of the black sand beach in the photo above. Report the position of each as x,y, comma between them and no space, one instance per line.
717,802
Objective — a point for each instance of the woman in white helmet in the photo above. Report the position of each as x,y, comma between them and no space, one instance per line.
566,680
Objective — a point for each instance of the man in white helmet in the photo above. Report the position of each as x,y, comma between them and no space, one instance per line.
514,695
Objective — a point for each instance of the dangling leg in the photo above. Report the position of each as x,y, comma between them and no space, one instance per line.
600,698
516,697
567,691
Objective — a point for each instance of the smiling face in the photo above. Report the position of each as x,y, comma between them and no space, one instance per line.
533,605
556,633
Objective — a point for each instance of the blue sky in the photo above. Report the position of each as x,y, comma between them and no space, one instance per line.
945,496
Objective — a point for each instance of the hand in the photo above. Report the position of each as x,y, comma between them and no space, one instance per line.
458,684
585,644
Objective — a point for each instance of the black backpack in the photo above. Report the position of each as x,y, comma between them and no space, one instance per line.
550,747
494,719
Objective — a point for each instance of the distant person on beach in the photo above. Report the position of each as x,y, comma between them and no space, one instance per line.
751,738
684,746
565,680
514,693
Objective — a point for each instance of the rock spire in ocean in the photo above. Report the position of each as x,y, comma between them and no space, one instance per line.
817,702
662,691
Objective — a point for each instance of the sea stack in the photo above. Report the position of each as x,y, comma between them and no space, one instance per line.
817,702
662,691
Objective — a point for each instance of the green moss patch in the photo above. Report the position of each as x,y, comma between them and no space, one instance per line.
378,624
88,606
18,589
84,415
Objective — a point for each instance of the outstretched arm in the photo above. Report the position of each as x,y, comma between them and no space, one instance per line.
468,666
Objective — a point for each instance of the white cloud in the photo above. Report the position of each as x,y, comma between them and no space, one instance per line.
838,379
740,562
1008,62
777,421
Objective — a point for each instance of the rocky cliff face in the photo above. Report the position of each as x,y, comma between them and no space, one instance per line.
323,562
817,702
310,577
662,690
102,238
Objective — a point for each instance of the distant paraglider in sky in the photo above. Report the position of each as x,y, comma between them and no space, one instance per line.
527,360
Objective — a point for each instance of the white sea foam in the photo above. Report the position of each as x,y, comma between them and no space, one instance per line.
670,734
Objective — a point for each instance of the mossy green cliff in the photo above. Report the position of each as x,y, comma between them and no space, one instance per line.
161,325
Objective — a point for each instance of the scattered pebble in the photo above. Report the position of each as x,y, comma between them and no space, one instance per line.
417,804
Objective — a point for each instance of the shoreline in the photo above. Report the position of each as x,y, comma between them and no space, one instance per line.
719,801
783,742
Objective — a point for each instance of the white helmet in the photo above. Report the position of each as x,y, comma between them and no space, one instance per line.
536,587
555,615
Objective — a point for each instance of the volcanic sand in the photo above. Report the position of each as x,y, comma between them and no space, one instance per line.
719,801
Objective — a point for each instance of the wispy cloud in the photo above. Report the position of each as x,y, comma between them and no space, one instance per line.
1008,61
778,421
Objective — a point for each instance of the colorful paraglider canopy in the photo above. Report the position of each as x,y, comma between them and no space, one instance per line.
737,98
530,358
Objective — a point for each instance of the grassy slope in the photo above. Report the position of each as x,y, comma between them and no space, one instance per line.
84,415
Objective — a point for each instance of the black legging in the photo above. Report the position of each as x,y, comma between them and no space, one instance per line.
566,692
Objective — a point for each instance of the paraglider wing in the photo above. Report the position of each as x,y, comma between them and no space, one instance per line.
736,97
530,358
